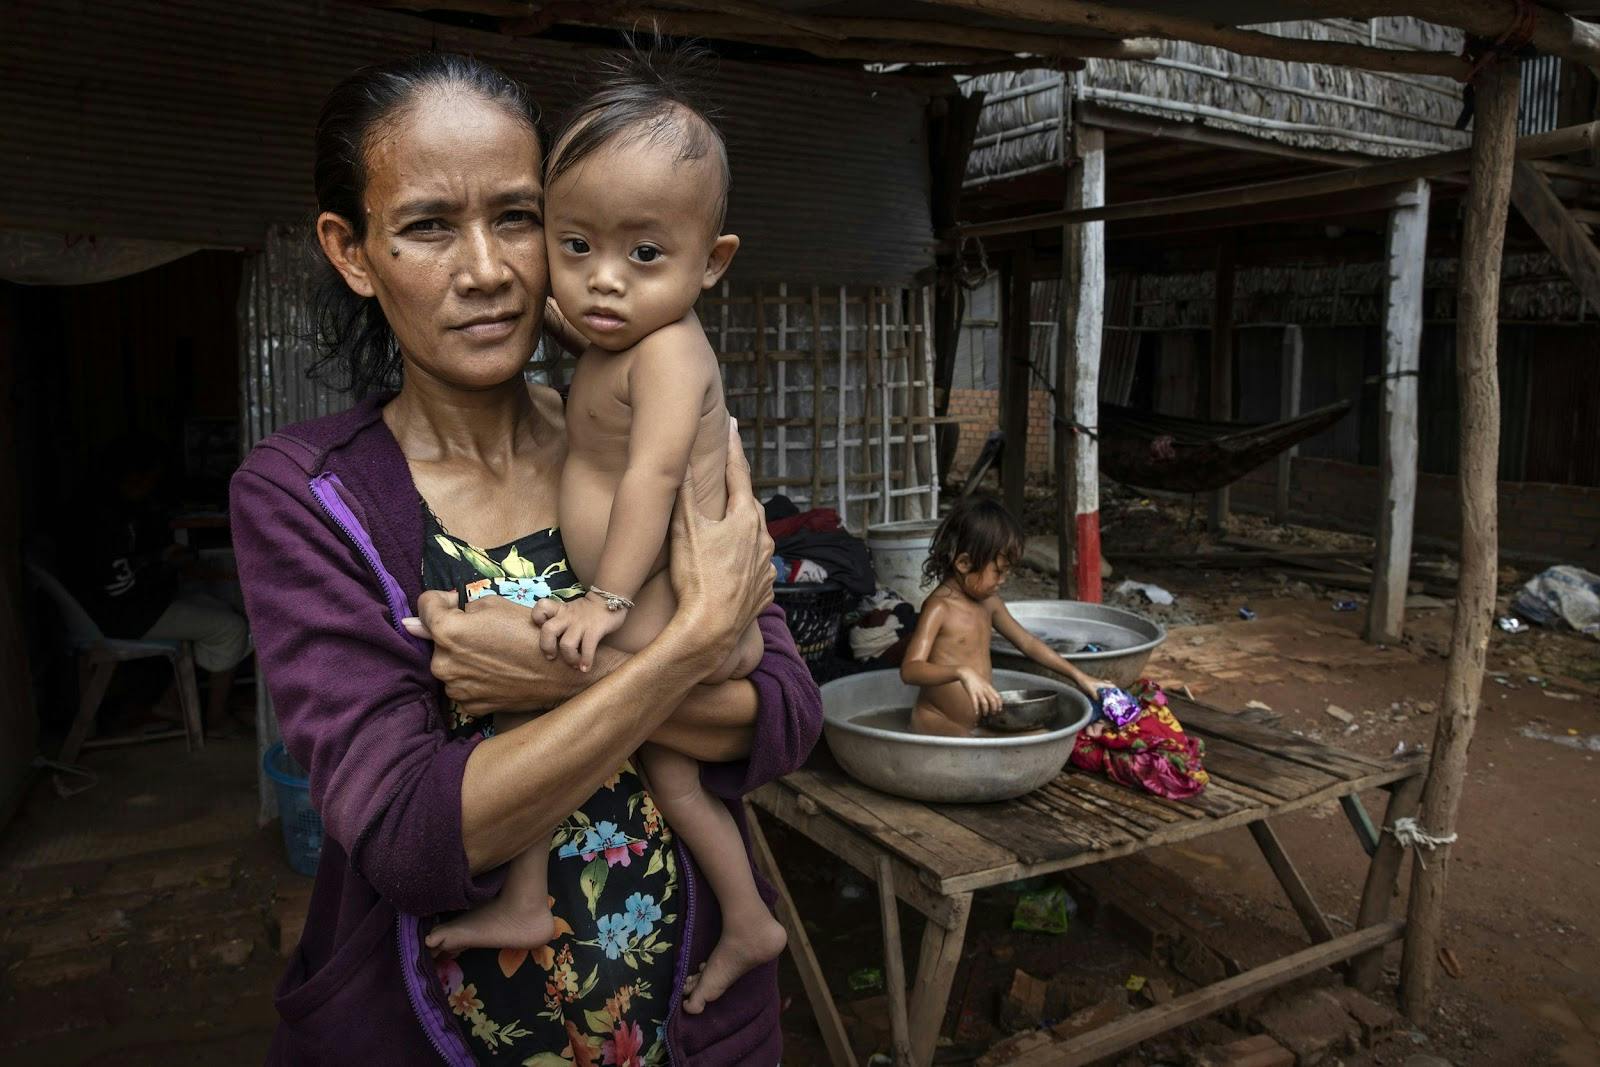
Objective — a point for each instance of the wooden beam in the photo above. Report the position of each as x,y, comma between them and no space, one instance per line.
1122,22
1151,128
1016,376
1402,361
1560,142
1294,886
812,977
769,15
1294,349
1221,368
973,70
1553,32
950,33
937,961
1477,303
894,964
1114,1037
1559,229
744,31
1341,206
1078,376
1383,883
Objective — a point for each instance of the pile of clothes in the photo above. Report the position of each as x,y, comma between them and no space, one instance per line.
813,546
1136,741
882,630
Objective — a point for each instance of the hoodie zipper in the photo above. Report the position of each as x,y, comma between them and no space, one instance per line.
674,1010
325,488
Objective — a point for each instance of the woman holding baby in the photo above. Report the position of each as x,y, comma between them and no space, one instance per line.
388,556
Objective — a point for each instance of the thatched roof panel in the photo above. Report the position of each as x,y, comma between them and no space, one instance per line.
1300,104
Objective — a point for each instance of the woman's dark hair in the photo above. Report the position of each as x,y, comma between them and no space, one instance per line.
357,347
978,526
647,93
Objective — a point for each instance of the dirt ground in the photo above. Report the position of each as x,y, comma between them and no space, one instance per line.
143,919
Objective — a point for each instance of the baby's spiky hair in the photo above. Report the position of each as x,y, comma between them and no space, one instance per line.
649,94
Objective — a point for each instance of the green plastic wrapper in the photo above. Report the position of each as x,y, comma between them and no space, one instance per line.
866,980
1046,911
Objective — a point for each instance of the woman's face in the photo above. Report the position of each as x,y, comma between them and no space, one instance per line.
454,248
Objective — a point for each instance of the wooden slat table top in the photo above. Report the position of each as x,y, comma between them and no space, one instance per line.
1079,818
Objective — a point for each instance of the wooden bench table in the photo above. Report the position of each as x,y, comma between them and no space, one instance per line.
935,856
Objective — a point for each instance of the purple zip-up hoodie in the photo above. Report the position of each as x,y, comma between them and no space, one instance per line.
327,526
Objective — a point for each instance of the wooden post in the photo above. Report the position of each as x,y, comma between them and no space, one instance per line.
1294,348
1083,274
1222,371
1477,319
1402,345
1017,333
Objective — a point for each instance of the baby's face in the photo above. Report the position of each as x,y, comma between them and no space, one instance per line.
632,238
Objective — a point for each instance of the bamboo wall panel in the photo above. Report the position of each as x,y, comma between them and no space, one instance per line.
864,449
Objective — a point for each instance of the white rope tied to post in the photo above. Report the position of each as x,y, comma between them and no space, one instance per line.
1410,834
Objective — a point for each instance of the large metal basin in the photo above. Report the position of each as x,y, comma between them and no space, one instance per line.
1127,638
883,753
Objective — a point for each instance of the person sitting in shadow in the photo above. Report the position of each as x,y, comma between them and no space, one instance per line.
126,570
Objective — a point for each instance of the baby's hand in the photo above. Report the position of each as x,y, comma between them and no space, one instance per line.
985,698
575,628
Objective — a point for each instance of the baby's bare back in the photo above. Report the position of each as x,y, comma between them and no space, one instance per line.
599,424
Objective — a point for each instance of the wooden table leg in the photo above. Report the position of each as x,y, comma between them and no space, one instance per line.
894,964
805,958
936,971
1383,881
1305,905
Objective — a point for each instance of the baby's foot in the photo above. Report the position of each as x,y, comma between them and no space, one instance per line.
744,945
501,923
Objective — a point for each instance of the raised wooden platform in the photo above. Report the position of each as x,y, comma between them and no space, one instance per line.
934,856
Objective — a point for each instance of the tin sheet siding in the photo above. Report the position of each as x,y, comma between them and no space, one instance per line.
191,120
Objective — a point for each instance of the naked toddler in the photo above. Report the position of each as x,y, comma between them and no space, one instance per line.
973,551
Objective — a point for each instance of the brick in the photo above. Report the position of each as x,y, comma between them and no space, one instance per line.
61,968
1376,1020
1109,1010
1314,1026
1258,1051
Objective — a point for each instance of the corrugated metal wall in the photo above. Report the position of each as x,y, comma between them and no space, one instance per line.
192,120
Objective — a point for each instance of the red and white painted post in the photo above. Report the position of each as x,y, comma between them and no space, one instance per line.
1083,265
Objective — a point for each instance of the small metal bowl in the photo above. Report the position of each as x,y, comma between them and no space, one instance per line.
1024,709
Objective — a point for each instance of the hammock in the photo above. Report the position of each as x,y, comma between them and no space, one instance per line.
1179,455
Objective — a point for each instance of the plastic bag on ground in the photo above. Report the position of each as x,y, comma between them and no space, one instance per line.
1562,594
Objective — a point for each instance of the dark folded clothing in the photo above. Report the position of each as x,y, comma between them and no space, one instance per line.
844,556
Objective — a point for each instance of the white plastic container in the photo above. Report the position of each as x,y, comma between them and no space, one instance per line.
898,552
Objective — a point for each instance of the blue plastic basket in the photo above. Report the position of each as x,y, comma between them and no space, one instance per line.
302,826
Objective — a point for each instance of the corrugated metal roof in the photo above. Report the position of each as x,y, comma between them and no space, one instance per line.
191,120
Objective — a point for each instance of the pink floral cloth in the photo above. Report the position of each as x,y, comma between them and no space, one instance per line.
1151,753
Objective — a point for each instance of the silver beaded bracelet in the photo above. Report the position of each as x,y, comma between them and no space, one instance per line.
613,601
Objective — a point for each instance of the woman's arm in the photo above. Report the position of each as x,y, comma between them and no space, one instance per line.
493,663
354,701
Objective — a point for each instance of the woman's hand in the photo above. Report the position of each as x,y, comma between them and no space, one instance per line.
488,656
721,570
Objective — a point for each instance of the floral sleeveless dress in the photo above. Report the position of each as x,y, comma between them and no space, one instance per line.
599,993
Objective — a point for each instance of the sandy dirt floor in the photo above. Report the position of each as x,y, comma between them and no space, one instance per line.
143,919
